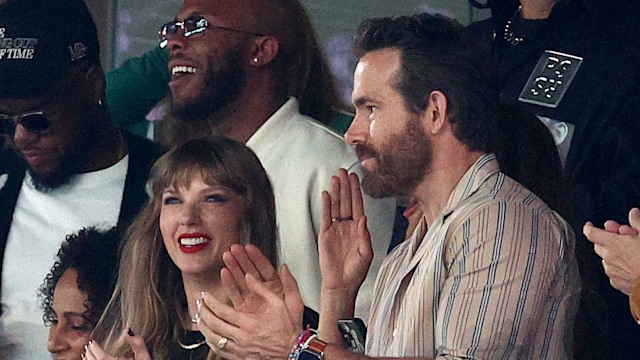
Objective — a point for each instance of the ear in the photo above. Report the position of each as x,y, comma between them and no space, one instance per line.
264,50
436,112
96,83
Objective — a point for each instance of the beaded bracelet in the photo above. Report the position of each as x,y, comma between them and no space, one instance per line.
301,343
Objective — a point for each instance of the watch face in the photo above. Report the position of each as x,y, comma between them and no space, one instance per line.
309,355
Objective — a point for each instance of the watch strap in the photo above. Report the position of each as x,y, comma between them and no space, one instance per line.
308,347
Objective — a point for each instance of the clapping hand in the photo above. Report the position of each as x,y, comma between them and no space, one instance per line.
239,261
619,247
264,326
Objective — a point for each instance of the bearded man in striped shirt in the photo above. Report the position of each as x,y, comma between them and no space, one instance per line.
489,272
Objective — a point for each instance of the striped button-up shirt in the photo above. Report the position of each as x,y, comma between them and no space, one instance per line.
494,277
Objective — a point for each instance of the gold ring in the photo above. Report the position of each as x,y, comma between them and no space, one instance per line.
222,342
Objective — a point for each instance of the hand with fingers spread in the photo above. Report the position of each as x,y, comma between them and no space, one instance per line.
619,247
266,332
239,261
93,350
344,242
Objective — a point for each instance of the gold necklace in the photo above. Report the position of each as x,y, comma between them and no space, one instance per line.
191,346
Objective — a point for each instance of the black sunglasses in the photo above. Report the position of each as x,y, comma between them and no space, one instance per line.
192,25
33,121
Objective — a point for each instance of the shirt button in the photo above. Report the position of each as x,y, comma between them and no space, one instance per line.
395,332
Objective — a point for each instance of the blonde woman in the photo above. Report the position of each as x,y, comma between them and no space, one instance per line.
207,195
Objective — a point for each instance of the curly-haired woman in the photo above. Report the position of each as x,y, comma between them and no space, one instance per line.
77,289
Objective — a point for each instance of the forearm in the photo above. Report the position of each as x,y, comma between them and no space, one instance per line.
334,305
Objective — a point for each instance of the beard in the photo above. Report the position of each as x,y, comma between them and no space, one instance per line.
222,84
70,164
401,162
50,182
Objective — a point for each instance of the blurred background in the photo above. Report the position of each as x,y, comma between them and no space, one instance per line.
129,27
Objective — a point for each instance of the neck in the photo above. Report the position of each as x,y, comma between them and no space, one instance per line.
193,286
241,118
105,148
447,168
536,9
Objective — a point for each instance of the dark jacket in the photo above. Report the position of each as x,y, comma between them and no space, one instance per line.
142,155
603,102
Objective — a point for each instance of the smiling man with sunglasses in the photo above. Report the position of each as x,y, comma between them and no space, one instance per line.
63,164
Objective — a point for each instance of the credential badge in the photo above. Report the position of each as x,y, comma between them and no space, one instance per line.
550,79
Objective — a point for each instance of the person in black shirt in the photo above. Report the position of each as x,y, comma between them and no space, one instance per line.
574,65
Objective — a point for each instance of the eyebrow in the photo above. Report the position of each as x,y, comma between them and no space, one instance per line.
361,100
193,13
73,313
175,189
69,314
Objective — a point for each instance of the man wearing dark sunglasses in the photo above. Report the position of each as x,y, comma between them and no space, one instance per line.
233,66
63,164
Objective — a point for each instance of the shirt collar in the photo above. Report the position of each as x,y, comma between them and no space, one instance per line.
265,132
471,181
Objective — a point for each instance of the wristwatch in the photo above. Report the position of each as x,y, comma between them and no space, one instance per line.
308,347
314,350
